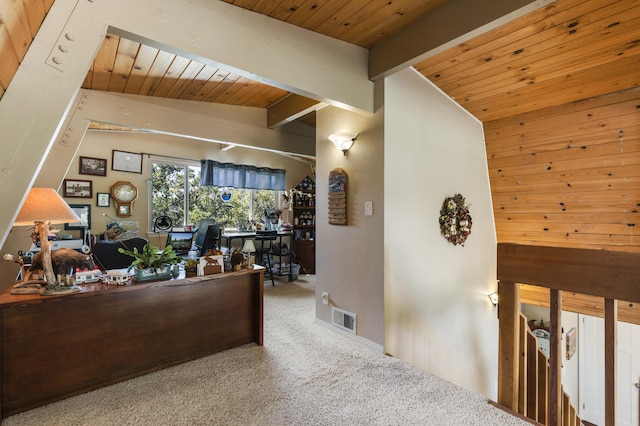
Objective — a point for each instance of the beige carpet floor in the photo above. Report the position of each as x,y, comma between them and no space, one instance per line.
305,374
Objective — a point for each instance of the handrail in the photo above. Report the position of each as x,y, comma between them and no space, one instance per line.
612,275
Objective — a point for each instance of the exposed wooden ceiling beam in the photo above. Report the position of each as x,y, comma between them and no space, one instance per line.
137,112
453,23
220,35
289,109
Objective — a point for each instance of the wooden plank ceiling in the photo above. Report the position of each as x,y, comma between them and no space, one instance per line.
567,51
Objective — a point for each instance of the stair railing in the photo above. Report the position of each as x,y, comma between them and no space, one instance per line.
613,275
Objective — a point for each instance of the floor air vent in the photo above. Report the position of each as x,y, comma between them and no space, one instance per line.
343,319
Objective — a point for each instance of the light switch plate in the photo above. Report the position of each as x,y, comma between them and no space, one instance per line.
368,208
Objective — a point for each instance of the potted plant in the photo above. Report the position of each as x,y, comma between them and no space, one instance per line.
151,263
191,267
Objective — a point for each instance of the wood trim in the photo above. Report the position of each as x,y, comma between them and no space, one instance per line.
611,274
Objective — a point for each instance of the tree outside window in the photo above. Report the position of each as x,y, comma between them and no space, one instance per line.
173,183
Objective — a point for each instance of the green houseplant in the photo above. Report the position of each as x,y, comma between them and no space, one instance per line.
152,263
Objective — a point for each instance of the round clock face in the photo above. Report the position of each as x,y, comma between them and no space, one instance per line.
124,192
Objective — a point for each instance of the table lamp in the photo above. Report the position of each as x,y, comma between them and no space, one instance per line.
248,248
43,207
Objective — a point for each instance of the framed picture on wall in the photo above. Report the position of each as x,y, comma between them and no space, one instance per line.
84,213
103,199
75,188
93,166
124,161
571,342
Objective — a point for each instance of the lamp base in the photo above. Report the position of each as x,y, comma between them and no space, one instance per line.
41,287
28,287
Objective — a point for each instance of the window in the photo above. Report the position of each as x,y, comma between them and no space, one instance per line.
177,193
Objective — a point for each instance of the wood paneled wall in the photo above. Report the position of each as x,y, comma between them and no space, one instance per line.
19,23
569,176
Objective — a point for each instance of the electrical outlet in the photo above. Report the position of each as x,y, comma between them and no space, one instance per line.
368,208
325,298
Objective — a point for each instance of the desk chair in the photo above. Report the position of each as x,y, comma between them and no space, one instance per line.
264,240
107,256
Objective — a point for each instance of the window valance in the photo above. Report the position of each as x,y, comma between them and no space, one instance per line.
215,173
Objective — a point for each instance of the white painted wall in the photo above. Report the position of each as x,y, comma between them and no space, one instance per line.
437,313
349,259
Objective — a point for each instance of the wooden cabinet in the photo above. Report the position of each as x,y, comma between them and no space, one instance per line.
306,255
304,225
54,347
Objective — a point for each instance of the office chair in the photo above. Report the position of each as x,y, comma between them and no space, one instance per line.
107,256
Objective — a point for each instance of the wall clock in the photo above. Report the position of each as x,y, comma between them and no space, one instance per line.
124,194
226,194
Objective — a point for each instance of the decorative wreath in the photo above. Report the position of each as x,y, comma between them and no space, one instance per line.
455,220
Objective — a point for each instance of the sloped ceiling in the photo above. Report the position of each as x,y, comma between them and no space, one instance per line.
565,51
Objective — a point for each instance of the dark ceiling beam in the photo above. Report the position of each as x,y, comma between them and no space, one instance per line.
289,109
453,23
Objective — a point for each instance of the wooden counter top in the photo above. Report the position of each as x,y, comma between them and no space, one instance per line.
92,289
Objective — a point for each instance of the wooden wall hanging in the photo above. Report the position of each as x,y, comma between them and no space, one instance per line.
337,197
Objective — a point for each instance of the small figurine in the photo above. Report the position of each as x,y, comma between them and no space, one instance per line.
237,258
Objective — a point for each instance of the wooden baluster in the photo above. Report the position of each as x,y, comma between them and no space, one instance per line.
555,358
509,318
522,366
610,365
543,387
532,377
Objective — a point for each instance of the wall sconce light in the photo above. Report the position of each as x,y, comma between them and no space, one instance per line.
494,298
343,140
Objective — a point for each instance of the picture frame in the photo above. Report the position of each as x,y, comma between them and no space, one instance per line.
125,161
76,188
103,199
84,212
571,343
93,166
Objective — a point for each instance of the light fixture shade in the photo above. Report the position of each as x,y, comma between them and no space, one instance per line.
45,205
248,247
494,298
343,140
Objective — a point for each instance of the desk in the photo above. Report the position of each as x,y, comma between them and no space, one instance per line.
230,236
54,347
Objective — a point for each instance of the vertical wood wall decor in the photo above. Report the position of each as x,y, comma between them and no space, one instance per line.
337,197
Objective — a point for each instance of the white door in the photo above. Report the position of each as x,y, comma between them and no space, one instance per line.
591,351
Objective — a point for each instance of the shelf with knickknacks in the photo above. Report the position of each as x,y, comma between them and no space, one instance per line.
303,201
